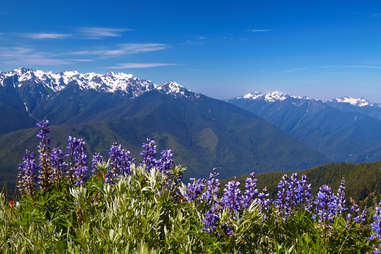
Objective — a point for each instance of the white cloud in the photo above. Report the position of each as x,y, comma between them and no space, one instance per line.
39,36
260,30
140,65
101,32
83,60
355,66
26,56
124,49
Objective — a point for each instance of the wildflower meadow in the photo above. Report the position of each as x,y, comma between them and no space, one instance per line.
71,203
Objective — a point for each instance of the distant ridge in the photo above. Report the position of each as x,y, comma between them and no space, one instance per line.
344,129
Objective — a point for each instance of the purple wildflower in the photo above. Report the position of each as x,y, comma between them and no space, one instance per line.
341,197
325,205
27,174
44,131
58,165
194,189
376,228
212,218
44,151
361,217
120,162
251,191
293,194
149,152
97,158
165,163
232,197
213,184
76,151
264,200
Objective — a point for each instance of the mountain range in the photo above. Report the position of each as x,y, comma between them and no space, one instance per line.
103,108
343,129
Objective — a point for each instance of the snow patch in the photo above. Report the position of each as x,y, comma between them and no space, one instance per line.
110,82
360,102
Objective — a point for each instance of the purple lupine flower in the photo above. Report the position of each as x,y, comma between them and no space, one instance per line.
341,197
228,231
212,218
195,189
251,191
293,194
264,201
361,217
120,162
70,153
213,184
44,155
77,168
285,194
303,194
165,163
148,153
44,131
376,227
58,165
27,174
97,159
325,205
232,197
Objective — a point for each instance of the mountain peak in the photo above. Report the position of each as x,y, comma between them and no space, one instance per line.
269,97
109,82
174,88
21,70
360,102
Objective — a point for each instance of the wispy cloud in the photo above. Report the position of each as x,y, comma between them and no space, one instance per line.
296,69
124,49
27,56
139,65
260,30
101,32
83,60
39,36
355,66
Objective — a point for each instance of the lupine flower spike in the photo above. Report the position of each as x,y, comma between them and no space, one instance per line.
120,162
251,191
77,168
44,150
58,165
148,153
97,159
27,174
376,228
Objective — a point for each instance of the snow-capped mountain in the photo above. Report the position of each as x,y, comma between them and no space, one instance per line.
360,102
273,96
110,82
117,107
277,96
344,129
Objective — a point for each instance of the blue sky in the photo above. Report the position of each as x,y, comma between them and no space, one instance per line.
219,48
